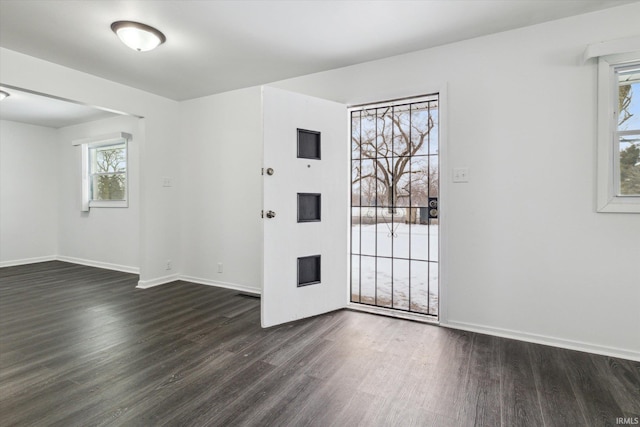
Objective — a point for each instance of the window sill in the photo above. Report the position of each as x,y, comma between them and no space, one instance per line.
620,205
108,204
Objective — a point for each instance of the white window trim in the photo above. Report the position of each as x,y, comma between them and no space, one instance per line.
607,198
94,142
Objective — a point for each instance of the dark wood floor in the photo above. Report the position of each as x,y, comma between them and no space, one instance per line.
79,346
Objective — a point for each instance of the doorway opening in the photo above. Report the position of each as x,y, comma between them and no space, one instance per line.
394,205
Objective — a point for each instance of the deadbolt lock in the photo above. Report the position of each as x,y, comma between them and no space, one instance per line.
433,208
270,171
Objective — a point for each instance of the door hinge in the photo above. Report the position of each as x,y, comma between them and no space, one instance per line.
262,214
262,171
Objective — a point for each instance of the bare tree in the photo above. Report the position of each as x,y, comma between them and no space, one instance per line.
389,137
624,101
109,174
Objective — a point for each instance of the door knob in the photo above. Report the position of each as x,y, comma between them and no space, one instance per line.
270,171
271,214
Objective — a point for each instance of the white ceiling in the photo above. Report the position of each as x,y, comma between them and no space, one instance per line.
216,46
36,109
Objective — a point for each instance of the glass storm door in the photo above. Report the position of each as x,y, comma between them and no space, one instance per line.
305,221
394,205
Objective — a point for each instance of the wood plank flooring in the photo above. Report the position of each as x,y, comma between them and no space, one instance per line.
80,346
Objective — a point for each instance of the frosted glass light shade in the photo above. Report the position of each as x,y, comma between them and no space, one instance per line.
138,36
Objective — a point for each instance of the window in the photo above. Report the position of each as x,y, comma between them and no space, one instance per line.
619,133
104,171
108,172
628,131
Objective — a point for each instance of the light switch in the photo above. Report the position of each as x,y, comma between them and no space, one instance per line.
461,175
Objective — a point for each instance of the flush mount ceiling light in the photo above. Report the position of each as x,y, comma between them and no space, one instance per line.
3,95
138,36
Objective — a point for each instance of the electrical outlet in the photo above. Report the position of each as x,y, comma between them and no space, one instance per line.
168,264
167,181
219,267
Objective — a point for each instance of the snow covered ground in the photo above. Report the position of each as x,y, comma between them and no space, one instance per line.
395,282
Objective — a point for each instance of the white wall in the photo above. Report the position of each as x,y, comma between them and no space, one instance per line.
526,254
107,237
221,155
159,216
28,193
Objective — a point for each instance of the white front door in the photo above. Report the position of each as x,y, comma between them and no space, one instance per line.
305,206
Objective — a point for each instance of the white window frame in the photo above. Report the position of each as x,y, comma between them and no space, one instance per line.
608,157
95,142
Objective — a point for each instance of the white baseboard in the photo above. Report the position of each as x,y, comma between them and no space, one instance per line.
545,340
146,284
15,262
234,286
500,332
99,264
